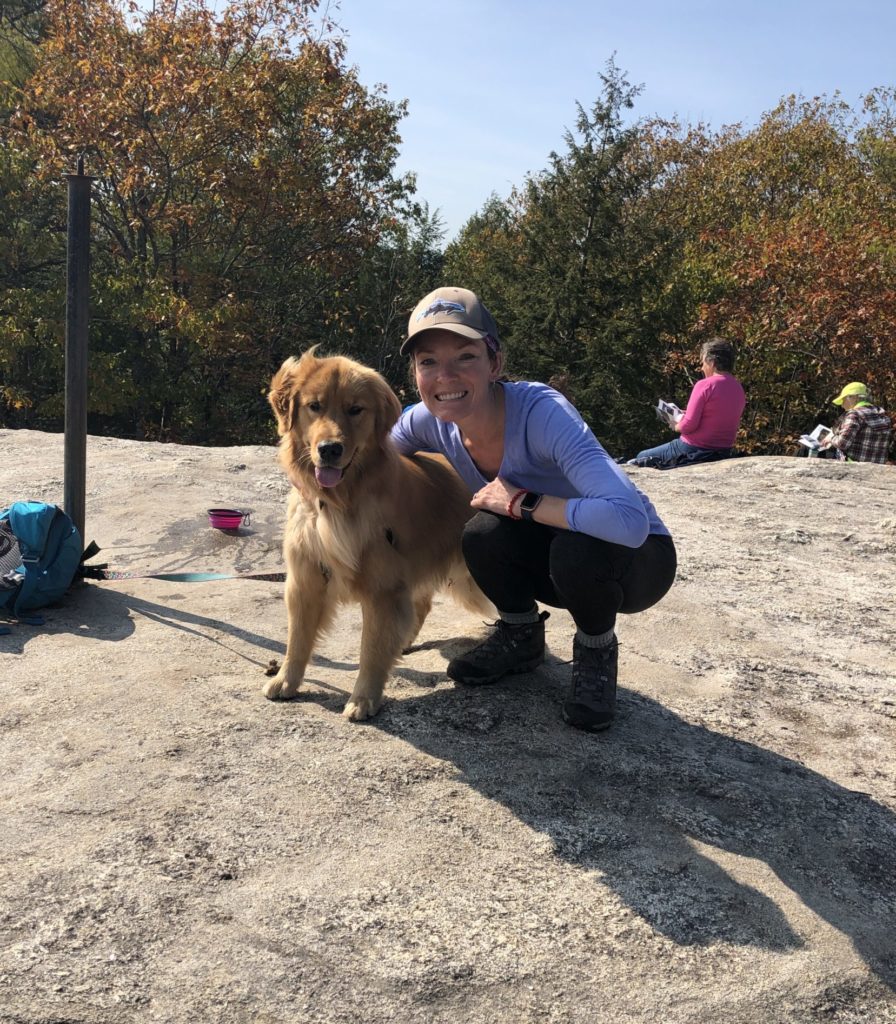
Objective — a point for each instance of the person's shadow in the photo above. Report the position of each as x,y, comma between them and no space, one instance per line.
635,802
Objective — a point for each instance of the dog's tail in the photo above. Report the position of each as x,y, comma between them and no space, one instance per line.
462,589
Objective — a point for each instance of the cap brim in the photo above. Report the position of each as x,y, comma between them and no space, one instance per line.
461,329
838,401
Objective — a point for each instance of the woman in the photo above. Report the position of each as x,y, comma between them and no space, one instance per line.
711,420
559,522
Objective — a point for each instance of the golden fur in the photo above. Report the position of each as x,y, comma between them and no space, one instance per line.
364,524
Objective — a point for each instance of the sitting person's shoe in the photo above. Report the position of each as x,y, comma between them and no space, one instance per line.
510,649
591,702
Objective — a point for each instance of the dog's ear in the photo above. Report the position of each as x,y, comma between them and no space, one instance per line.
387,409
283,391
286,386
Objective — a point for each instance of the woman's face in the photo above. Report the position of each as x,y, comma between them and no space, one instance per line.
454,374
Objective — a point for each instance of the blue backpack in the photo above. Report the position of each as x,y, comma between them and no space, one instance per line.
40,552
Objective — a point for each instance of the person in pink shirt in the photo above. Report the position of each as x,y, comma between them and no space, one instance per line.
711,420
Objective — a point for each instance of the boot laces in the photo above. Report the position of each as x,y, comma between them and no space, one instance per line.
593,671
505,639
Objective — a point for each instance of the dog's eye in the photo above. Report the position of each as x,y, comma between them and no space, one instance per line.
314,406
355,410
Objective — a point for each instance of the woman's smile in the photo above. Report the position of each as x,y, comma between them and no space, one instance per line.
455,375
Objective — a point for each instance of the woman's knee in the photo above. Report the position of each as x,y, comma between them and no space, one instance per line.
661,453
482,534
654,575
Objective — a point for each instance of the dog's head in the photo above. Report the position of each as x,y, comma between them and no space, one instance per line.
333,416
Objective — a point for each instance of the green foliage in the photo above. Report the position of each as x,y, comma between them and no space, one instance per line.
876,139
794,227
245,208
575,265
242,175
609,268
32,293
368,316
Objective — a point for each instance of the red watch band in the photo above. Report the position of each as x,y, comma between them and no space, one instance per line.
513,501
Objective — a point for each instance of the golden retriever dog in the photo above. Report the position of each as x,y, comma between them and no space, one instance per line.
364,524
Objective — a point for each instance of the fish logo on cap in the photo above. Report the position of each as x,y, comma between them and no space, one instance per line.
442,306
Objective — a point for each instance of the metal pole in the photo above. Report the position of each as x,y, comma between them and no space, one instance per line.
77,317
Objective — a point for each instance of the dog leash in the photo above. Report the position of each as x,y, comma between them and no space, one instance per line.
103,573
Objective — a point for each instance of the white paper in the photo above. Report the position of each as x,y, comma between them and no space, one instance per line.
668,412
814,439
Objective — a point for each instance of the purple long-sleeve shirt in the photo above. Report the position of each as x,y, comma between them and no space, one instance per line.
550,449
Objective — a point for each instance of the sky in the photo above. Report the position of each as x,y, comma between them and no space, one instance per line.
492,85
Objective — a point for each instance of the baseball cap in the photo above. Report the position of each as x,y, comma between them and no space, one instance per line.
452,309
856,388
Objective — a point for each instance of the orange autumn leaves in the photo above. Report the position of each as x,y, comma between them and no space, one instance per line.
183,112
241,171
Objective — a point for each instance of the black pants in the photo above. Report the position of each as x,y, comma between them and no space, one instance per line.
518,563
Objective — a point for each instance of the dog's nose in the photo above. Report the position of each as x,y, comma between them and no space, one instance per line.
329,452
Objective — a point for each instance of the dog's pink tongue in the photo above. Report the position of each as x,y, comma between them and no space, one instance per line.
327,476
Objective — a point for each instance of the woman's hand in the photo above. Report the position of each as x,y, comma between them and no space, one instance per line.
495,496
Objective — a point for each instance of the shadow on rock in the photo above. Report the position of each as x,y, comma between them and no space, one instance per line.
635,803
106,614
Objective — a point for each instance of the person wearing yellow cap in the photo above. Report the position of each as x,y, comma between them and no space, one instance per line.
862,434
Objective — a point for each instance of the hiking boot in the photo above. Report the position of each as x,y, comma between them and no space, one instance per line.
510,649
591,702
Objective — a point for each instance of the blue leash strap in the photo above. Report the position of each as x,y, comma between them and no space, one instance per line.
102,573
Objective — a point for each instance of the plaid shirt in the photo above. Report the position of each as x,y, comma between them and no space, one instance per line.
863,435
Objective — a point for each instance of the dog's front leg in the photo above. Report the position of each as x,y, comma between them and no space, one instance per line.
308,611
387,618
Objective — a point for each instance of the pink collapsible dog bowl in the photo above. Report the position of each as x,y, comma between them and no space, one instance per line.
227,518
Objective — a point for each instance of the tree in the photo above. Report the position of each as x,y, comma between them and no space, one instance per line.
485,257
876,138
791,252
575,262
241,172
32,263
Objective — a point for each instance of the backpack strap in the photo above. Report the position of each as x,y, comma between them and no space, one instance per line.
92,549
10,559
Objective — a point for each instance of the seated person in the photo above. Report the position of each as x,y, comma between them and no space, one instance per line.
711,420
863,433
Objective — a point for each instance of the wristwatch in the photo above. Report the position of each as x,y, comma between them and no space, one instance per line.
529,504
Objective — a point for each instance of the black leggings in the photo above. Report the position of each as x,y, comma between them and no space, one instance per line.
518,563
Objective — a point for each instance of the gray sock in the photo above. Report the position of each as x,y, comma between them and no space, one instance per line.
520,618
601,640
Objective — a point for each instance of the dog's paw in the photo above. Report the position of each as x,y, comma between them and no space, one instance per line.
361,709
280,688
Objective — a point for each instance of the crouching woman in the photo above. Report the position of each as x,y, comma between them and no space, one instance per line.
559,523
